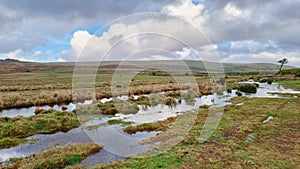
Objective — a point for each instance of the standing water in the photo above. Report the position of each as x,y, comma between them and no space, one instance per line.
113,135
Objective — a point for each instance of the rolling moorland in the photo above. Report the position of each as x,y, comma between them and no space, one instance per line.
241,139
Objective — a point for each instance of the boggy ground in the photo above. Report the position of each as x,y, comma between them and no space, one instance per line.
241,140
13,131
49,87
56,158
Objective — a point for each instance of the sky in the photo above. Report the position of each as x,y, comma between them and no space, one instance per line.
215,30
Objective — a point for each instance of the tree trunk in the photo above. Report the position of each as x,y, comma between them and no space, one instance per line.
280,67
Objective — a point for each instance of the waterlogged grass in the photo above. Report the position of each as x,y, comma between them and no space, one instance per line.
10,142
121,122
155,126
241,139
57,158
118,106
291,84
142,100
14,130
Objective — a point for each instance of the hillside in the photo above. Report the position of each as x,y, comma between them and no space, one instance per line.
15,66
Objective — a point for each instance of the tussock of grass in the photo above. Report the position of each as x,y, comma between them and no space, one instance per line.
170,101
13,129
174,94
157,99
114,121
10,142
143,100
190,96
15,99
155,126
248,88
118,106
57,158
205,106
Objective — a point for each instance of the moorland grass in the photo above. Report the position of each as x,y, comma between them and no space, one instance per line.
14,130
118,106
273,145
248,88
57,158
290,84
155,126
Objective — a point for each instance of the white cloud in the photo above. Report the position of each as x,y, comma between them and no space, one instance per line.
79,40
232,12
37,53
17,54
61,60
184,53
126,38
194,14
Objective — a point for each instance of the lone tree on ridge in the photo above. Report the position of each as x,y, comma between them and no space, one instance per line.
282,62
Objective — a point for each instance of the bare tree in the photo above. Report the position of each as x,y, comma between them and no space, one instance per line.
282,62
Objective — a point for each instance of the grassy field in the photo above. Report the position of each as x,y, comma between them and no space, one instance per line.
240,141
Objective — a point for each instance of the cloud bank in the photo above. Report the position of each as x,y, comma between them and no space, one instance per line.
239,31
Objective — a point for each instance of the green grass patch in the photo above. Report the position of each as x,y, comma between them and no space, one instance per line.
291,84
13,130
57,158
118,106
241,140
155,126
121,122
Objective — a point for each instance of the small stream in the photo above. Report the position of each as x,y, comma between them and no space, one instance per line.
112,137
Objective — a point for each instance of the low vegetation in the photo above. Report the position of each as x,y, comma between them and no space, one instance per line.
248,88
155,126
295,72
290,84
118,106
57,158
143,100
121,122
13,131
241,140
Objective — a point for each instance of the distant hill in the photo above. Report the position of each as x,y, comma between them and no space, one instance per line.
15,66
